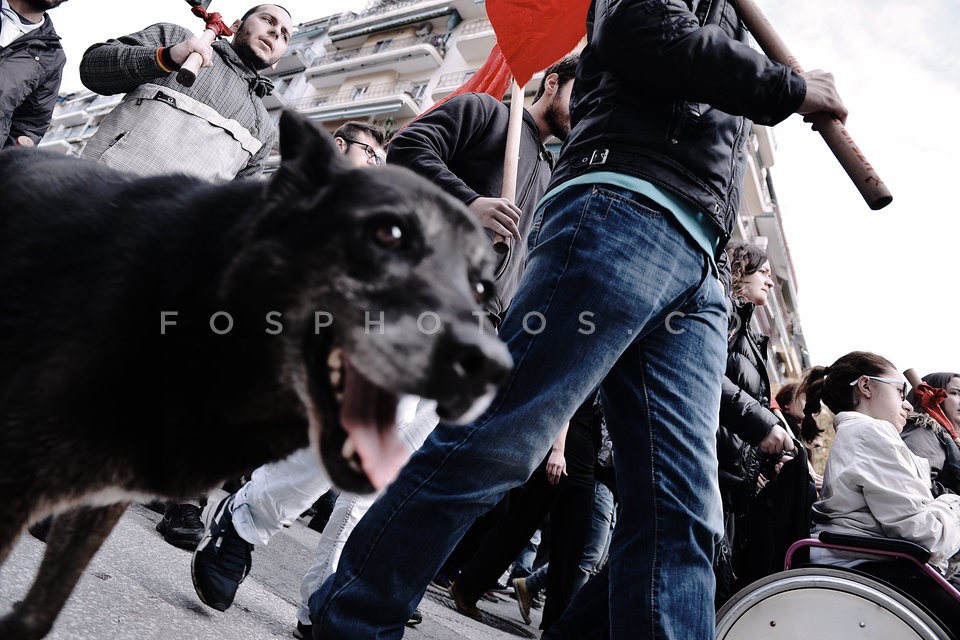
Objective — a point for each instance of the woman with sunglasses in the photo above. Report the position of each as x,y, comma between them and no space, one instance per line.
873,484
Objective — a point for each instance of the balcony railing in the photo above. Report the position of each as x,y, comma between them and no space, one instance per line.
474,27
358,94
436,40
454,79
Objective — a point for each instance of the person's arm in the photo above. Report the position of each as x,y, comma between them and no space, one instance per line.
754,423
556,461
660,45
120,65
900,499
32,117
436,141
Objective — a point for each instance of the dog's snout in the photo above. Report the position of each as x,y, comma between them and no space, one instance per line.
474,359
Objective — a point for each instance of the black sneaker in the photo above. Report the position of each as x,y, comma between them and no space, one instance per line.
41,528
303,631
181,525
222,560
415,618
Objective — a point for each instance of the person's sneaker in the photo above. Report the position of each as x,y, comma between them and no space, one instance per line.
181,525
502,588
222,560
523,598
303,631
490,596
536,600
415,618
468,609
41,528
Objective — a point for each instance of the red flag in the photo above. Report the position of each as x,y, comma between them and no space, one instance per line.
533,34
930,400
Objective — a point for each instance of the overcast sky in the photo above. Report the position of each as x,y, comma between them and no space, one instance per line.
883,281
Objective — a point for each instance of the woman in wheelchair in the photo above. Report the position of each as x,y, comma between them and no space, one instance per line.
874,485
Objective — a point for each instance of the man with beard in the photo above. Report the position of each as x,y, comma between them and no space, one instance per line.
217,129
459,146
31,65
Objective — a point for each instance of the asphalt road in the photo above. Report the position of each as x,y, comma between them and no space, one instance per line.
138,586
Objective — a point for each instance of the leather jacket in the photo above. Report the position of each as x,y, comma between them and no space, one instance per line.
664,92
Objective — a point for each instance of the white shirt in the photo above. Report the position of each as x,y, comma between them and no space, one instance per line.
11,27
874,485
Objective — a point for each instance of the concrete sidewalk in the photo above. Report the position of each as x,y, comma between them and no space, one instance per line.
138,586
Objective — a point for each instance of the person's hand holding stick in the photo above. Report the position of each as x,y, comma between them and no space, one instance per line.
822,107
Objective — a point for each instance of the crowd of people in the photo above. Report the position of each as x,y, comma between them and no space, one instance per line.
639,433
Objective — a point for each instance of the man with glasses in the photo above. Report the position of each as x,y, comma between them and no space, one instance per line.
360,142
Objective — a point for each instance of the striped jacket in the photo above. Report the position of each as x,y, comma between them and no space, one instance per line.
217,129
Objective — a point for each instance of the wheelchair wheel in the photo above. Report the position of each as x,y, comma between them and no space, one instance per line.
822,602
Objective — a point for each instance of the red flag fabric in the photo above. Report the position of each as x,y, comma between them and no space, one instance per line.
533,34
930,400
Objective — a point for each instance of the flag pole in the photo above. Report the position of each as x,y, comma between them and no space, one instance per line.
511,157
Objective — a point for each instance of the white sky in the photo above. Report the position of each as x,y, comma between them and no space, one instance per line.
882,281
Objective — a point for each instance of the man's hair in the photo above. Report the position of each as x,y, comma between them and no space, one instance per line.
266,4
565,69
350,130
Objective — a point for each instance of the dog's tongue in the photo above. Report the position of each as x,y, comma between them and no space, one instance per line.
369,414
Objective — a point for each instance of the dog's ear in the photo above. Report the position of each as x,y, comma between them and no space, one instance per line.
308,154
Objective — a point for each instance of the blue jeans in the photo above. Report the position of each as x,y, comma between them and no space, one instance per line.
624,298
598,538
523,565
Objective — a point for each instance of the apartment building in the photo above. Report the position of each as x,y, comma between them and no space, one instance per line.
391,61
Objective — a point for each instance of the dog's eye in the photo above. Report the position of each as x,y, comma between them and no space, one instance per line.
389,235
482,291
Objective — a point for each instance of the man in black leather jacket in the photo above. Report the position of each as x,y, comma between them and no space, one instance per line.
619,291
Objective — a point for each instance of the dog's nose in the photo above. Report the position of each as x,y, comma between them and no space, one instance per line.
474,360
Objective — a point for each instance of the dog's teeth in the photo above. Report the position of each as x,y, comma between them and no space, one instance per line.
349,449
335,359
335,378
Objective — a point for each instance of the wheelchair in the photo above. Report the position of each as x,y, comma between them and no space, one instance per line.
816,602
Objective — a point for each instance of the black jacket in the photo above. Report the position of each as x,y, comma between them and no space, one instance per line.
30,71
459,146
662,93
745,416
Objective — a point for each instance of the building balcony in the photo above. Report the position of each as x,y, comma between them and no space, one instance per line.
448,82
411,54
476,39
433,15
102,105
72,113
296,58
400,99
469,9
58,144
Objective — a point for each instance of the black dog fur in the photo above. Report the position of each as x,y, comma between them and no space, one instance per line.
99,407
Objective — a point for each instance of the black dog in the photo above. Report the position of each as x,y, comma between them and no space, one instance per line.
158,335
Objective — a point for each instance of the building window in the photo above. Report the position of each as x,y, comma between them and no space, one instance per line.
359,91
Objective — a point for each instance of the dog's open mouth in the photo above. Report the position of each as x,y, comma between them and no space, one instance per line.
365,453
